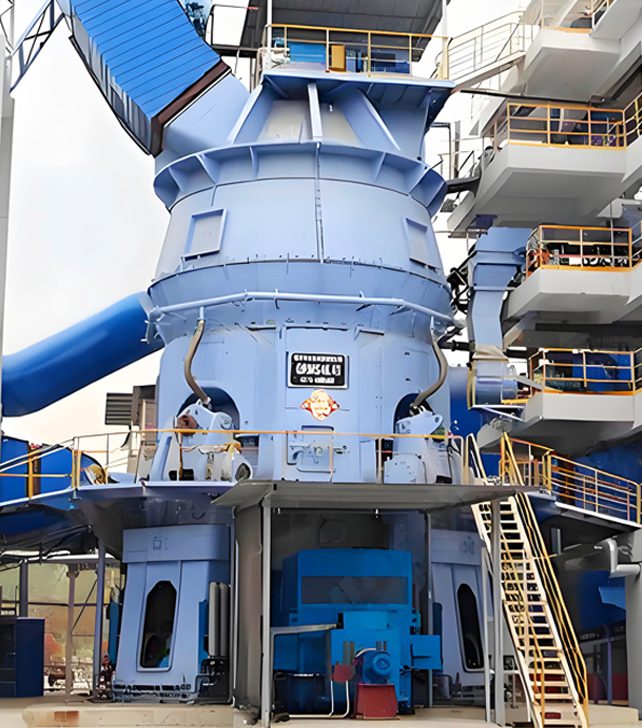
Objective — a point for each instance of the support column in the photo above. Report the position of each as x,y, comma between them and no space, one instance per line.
445,44
6,148
23,589
633,587
266,661
69,636
268,22
98,623
484,595
430,626
498,614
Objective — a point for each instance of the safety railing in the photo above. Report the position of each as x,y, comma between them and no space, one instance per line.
536,617
579,16
340,50
128,456
581,247
558,125
493,47
581,371
487,48
556,601
38,471
526,632
571,482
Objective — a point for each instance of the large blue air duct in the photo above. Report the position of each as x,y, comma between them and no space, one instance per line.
80,355
147,59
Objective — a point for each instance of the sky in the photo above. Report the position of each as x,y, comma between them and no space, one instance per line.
85,227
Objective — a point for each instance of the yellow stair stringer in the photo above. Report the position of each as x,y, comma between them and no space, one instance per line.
551,666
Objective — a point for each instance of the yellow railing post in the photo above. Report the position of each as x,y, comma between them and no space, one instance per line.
369,52
30,476
327,49
548,124
445,58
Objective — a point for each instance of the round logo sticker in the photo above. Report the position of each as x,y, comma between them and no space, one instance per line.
319,404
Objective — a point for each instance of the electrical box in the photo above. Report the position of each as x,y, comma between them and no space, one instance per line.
22,656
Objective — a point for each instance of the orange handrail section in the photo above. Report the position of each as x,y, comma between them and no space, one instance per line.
573,126
582,247
572,483
581,371
355,50
103,458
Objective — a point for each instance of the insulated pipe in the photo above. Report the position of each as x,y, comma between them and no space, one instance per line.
189,358
615,568
443,373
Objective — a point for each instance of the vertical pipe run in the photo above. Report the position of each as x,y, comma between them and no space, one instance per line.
224,624
213,627
498,650
69,637
23,593
266,667
98,623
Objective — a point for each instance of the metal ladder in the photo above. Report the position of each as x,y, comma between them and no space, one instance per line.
548,655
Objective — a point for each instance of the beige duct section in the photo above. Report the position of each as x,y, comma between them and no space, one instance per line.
443,372
189,358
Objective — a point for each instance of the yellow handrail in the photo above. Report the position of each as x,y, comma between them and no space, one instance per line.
567,247
571,482
573,126
556,371
365,41
509,471
556,601
524,629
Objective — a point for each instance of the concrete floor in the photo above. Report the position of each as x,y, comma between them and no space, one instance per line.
56,711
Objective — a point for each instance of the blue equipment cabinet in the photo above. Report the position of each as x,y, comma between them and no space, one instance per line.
22,652
367,594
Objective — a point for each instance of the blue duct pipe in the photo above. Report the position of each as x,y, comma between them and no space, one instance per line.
80,355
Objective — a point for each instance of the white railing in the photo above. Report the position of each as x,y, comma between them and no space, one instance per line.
489,48
580,15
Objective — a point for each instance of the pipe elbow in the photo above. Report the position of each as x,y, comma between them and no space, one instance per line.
615,568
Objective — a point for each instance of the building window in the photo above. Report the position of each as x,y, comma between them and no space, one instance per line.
158,626
471,640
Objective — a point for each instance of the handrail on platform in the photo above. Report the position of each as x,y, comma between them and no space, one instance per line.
573,247
356,50
103,458
571,482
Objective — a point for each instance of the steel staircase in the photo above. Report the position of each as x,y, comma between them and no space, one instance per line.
546,649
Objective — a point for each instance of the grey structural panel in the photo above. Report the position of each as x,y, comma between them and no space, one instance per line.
362,496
